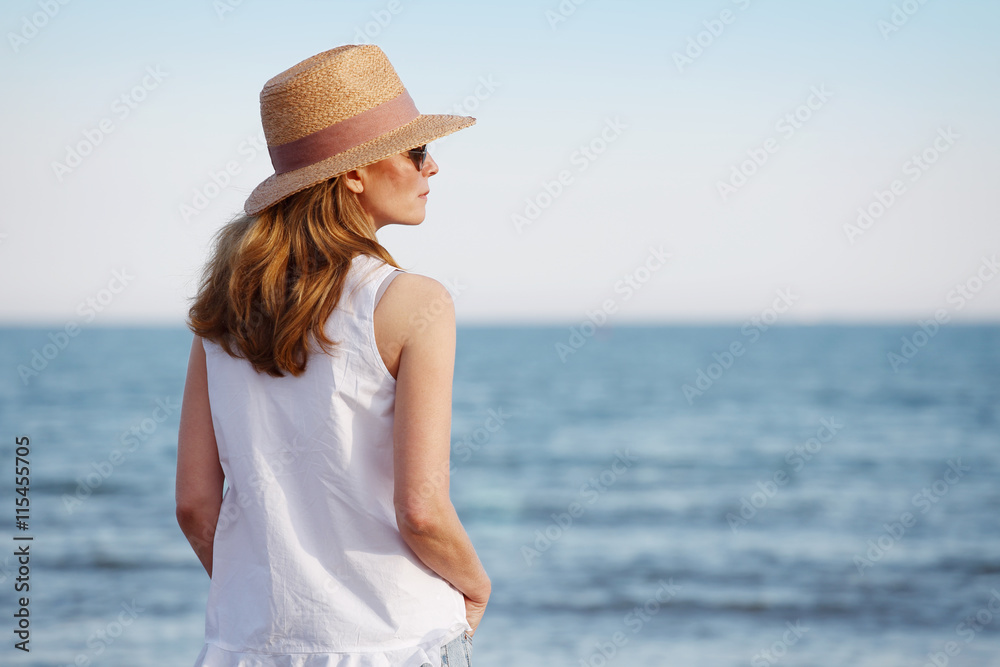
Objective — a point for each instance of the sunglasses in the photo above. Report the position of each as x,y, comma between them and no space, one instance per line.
419,156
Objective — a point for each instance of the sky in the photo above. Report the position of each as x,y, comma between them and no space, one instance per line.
660,162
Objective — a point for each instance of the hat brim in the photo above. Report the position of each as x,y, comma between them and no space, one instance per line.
422,130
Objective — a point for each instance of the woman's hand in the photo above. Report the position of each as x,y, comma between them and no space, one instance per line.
474,613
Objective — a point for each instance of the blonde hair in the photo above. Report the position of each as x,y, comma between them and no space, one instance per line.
274,278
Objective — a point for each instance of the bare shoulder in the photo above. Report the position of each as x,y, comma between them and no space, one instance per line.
411,305
419,287
410,295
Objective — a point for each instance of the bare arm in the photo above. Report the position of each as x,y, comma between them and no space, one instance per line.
424,512
199,473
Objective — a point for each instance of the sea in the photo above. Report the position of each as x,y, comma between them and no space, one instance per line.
796,495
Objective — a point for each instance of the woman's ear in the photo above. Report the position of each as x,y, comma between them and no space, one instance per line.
353,180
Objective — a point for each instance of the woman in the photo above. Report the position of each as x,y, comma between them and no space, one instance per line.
319,392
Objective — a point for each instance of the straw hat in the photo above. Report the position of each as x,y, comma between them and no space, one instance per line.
336,111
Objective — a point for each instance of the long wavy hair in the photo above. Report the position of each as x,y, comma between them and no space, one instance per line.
274,278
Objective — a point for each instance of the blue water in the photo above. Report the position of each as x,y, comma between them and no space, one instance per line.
761,522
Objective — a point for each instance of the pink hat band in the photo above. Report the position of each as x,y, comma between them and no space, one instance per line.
344,135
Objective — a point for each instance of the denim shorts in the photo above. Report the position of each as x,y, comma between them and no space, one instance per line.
457,652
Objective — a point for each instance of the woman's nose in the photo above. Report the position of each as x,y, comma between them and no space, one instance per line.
430,166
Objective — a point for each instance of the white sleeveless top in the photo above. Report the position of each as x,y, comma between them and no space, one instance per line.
309,567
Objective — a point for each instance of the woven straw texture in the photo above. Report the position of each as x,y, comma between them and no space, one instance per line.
328,88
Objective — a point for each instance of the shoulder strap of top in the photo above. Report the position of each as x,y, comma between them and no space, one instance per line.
367,281
385,283
366,272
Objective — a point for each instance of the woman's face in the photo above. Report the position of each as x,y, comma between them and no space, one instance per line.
392,190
